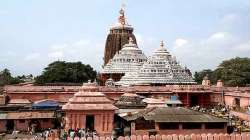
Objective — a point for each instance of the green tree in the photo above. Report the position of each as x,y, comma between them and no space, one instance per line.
198,76
233,72
66,72
6,78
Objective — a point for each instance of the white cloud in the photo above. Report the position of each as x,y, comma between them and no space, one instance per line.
56,55
10,53
180,42
31,56
58,47
81,43
66,50
230,18
209,52
218,36
244,47
3,60
84,50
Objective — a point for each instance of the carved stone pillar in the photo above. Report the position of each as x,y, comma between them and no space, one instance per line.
110,123
77,121
73,121
81,118
98,123
68,121
84,121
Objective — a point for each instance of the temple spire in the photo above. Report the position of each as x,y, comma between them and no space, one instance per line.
118,36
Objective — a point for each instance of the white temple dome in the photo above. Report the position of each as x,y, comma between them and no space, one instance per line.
129,58
160,68
161,52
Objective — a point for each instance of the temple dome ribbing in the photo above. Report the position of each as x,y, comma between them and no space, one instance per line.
130,58
159,69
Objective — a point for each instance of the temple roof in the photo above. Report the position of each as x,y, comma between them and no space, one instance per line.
160,68
130,58
172,114
88,98
130,100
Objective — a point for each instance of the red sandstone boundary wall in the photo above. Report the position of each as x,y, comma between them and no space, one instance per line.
244,136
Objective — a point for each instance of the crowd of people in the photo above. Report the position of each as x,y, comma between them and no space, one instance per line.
222,111
218,110
80,133
44,134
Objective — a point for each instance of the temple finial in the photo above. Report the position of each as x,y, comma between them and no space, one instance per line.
162,44
122,18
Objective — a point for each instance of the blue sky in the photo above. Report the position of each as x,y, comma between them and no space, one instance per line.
200,33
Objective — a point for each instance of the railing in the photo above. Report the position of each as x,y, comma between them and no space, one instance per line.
175,137
243,136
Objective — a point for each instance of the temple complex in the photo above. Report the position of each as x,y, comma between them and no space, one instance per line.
126,64
136,95
189,95
119,35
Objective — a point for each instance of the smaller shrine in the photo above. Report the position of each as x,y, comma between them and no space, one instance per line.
91,110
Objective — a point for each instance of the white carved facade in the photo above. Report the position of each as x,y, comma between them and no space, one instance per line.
159,69
129,59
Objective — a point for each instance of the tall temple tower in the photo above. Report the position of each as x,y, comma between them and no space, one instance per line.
119,35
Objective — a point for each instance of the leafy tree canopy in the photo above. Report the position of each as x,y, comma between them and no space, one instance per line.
233,72
7,79
198,76
66,72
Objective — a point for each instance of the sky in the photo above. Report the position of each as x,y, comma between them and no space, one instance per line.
200,33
